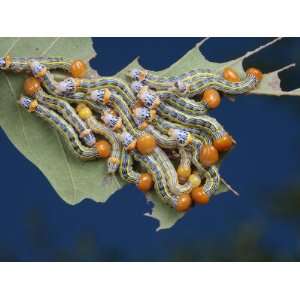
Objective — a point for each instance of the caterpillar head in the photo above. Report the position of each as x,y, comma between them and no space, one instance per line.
2,63
5,62
90,140
128,141
112,164
96,95
112,121
101,96
182,136
136,86
141,113
25,102
149,99
38,70
138,74
88,137
67,86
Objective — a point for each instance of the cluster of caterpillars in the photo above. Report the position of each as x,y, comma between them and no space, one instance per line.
154,130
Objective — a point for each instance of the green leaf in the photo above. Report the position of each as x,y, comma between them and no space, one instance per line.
73,179
270,85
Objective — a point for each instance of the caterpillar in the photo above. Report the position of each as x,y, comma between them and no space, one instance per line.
64,128
119,104
171,176
194,82
168,81
206,123
222,85
212,181
126,169
152,99
160,183
128,141
211,175
163,141
77,88
184,104
81,99
69,114
98,128
22,64
184,164
164,125
153,120
195,149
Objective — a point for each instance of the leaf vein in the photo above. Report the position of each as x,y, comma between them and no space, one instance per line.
65,157
12,46
19,112
50,46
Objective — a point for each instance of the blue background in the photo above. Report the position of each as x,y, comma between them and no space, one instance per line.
262,224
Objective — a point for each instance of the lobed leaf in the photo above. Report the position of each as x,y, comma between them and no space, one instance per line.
73,179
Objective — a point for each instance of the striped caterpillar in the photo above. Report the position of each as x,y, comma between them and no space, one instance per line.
194,82
62,126
23,64
69,114
158,124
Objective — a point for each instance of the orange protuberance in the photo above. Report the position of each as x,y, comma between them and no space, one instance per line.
212,98
78,68
80,106
145,183
31,86
184,203
209,155
184,172
224,143
256,72
199,196
146,143
230,75
103,148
